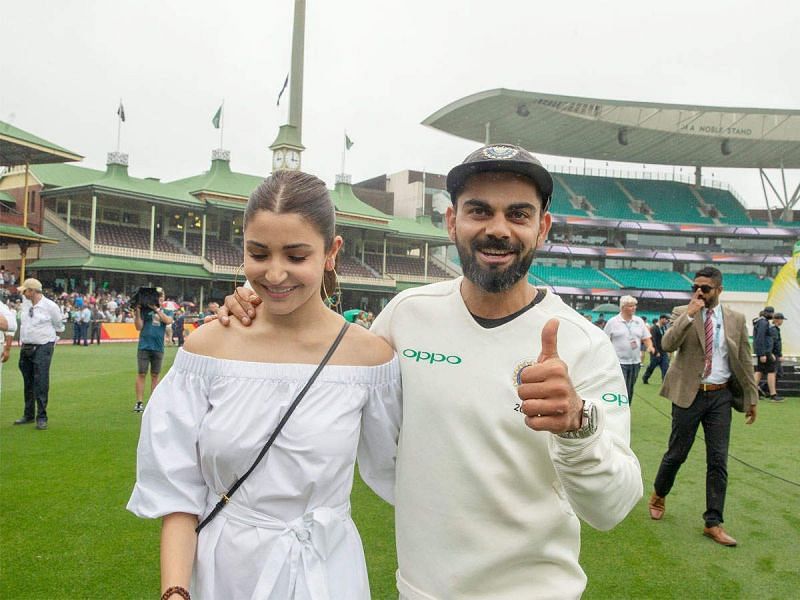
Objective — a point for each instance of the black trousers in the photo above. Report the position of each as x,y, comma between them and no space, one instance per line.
34,363
95,332
713,410
631,374
662,361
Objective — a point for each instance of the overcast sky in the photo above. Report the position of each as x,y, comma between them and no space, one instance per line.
375,68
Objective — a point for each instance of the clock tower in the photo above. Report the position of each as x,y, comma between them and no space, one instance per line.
287,147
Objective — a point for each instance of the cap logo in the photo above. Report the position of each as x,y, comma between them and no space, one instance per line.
500,152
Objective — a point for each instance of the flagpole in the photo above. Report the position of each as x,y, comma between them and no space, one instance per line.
119,125
344,151
222,123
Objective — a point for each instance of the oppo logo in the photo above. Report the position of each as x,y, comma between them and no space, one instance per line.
613,398
431,357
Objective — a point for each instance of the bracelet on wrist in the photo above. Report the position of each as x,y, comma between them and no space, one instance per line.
176,589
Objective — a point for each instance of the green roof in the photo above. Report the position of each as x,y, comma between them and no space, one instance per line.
57,175
422,228
347,202
7,198
220,179
122,265
18,147
116,180
18,232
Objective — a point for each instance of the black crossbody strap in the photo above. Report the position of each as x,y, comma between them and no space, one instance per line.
227,495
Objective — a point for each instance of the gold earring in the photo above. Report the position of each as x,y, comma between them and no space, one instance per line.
238,270
336,302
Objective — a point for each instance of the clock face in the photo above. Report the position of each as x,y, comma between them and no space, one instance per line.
278,159
293,160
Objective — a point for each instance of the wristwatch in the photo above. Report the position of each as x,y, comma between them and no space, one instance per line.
588,423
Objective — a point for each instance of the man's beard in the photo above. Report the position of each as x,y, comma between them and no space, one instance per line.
493,279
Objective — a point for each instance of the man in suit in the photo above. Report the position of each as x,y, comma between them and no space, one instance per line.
659,358
711,372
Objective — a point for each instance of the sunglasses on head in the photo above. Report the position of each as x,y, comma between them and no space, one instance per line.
703,288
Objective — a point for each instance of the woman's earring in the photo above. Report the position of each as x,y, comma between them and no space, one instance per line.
238,270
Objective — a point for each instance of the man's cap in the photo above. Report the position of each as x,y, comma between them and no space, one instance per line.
769,309
31,284
779,316
501,158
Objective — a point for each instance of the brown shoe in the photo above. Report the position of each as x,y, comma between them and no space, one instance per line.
656,506
717,533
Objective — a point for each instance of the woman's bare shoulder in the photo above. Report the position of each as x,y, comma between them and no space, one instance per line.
211,339
364,348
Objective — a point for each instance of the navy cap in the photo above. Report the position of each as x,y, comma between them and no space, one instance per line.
779,316
501,158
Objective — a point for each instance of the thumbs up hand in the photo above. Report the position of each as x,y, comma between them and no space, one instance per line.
549,400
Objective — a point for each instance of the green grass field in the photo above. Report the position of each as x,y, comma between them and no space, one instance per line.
65,533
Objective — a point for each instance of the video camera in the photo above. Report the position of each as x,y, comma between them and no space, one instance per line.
145,297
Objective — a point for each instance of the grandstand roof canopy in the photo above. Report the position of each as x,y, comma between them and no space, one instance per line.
18,147
639,132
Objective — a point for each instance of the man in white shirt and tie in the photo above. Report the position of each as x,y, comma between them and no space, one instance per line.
712,372
40,324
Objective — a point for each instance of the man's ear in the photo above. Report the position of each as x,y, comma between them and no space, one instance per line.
450,219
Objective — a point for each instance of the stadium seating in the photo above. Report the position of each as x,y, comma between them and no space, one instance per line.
584,277
670,201
122,236
731,211
222,253
745,282
347,266
560,203
604,195
644,279
404,265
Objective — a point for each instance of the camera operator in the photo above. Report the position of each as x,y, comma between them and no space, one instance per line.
151,321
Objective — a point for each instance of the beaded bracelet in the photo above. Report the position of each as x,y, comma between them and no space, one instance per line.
176,589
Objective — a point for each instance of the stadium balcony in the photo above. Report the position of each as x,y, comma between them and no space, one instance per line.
217,251
670,200
579,277
645,279
347,266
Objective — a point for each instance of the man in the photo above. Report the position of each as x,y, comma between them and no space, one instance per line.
177,326
491,479
659,358
764,348
8,325
151,321
86,322
40,324
777,350
212,310
627,333
711,372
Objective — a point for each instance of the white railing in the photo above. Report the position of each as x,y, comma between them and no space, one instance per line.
386,282
188,259
213,267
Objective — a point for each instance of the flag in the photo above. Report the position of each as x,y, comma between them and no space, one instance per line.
217,117
283,89
121,112
348,143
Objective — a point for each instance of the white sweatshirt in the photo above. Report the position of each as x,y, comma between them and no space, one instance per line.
486,507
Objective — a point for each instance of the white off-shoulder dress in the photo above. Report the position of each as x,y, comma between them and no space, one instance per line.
287,532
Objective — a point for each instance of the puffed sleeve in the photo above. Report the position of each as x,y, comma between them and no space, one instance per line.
168,476
380,428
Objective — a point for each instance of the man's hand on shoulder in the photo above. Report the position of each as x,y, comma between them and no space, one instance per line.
241,304
549,400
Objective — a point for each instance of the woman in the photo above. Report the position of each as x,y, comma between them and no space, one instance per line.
286,533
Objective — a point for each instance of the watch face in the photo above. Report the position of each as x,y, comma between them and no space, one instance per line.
278,159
